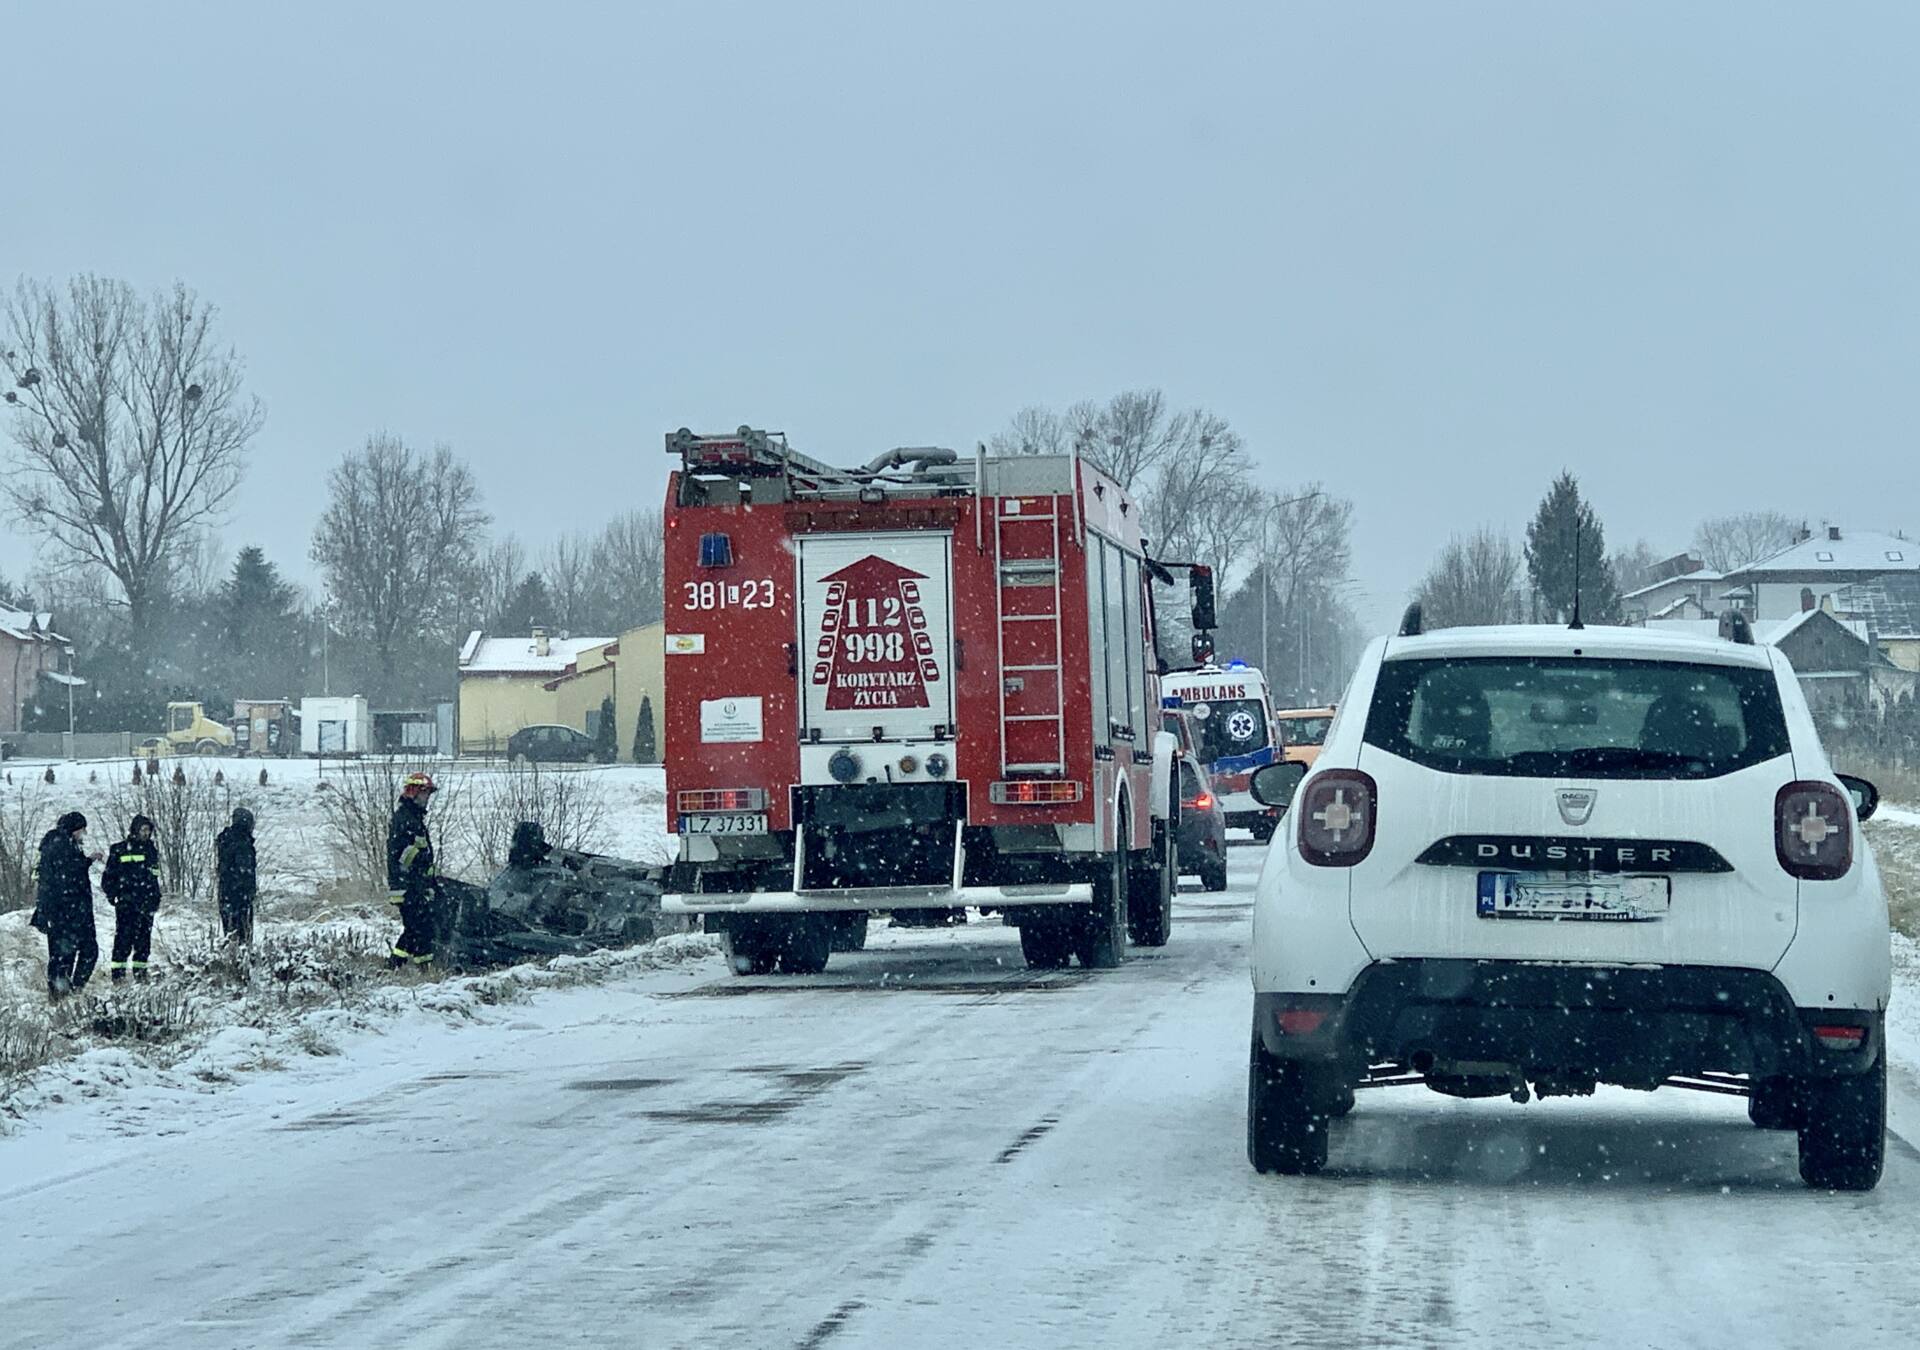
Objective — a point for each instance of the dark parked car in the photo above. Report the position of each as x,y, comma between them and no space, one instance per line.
554,745
1203,828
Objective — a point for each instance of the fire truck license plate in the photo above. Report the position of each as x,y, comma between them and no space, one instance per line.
738,822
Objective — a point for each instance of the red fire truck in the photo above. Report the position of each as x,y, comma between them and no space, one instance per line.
926,684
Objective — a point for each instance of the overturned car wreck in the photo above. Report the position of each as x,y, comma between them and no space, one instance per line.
551,902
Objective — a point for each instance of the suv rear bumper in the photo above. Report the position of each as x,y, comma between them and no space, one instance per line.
1633,1025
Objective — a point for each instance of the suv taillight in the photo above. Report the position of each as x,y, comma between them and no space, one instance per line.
1813,831
1336,810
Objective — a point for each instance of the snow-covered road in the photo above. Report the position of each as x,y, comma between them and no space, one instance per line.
927,1146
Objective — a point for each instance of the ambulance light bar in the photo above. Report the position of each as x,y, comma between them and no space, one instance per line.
1034,792
723,799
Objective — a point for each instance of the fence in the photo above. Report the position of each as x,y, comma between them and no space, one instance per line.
62,745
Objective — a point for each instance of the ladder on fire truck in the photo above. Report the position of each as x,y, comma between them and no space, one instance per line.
1028,598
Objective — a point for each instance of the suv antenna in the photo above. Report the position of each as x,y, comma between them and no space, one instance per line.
1576,574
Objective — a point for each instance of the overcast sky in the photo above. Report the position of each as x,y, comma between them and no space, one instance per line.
1428,253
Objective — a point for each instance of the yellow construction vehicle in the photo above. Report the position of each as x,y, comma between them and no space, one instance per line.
191,732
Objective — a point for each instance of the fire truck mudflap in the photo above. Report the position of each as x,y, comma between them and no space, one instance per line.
926,685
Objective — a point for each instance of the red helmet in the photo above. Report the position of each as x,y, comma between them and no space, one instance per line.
418,785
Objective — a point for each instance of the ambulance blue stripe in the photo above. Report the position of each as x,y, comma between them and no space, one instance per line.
1242,763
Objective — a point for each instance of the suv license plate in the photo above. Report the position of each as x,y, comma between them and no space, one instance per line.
739,822
1532,895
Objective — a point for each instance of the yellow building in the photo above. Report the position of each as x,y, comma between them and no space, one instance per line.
639,672
510,683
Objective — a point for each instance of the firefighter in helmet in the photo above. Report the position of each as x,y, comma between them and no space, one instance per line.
412,878
132,884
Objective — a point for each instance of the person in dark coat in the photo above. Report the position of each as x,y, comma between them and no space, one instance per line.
412,877
236,877
131,884
63,906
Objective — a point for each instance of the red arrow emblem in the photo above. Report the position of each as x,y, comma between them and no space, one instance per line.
874,650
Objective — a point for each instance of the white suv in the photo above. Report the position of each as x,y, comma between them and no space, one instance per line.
1556,857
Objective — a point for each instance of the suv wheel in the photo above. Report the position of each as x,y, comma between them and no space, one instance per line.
1843,1129
1287,1112
1772,1104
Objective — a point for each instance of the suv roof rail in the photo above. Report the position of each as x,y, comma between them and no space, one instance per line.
1410,621
1735,628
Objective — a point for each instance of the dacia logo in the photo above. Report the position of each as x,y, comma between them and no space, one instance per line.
1576,804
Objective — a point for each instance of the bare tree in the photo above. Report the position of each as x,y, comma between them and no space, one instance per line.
398,542
1130,436
1034,430
1197,509
1633,565
131,428
1475,580
1309,539
1726,543
497,576
567,565
629,558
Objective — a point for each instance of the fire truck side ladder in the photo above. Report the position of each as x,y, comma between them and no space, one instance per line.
1030,571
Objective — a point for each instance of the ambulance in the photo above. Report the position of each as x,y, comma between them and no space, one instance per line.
1234,733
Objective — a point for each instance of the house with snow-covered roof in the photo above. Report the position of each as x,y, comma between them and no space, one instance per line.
29,648
1683,588
507,683
1807,572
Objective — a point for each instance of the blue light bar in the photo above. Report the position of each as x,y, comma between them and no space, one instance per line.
716,550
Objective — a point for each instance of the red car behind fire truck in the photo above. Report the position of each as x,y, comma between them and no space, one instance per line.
929,683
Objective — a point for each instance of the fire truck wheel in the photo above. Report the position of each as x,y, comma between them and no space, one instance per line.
805,946
749,958
1047,945
1214,875
1150,888
1100,938
849,932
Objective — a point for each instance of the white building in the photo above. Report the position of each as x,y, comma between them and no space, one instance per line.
1686,589
1804,574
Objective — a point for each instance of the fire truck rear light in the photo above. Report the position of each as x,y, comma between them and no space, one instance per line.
908,764
1034,792
716,550
937,765
1301,1021
1841,1038
722,799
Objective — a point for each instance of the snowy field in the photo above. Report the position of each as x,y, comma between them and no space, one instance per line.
926,1146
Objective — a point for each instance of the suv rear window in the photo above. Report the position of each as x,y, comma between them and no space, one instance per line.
1550,717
